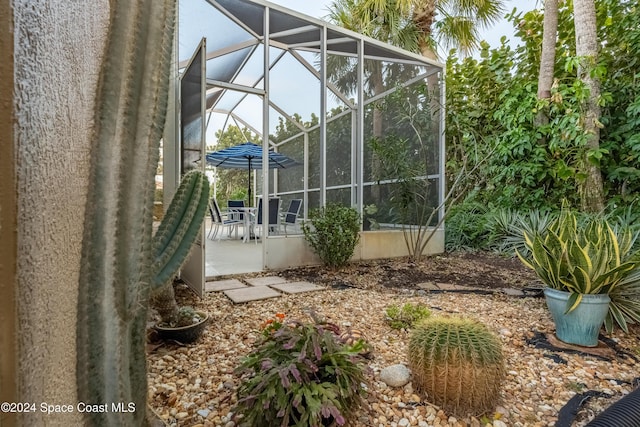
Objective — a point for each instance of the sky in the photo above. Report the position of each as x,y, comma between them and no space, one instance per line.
318,9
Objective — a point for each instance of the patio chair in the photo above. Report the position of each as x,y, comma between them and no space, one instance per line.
291,215
220,220
214,219
235,214
274,215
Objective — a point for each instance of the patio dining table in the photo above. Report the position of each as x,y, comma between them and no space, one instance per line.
247,212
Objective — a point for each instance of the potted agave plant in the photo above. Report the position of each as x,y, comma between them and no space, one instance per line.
588,270
172,242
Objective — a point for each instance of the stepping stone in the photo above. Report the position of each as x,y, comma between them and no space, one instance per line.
297,287
266,281
449,287
223,285
454,288
428,286
511,292
251,293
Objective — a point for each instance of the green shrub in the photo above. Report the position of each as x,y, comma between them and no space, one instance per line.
406,316
333,232
465,226
458,363
507,227
472,225
626,217
300,375
239,194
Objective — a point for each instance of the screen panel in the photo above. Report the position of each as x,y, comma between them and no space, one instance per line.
191,111
192,148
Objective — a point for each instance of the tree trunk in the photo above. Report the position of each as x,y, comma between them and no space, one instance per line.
423,16
591,191
378,132
547,57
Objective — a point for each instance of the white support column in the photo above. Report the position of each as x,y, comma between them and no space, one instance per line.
354,157
360,125
442,153
323,117
305,176
265,140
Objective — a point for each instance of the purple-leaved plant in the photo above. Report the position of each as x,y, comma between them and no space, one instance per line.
300,374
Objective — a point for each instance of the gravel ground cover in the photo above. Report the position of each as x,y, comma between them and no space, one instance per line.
194,385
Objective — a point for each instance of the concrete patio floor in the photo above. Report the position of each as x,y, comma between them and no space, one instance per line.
231,256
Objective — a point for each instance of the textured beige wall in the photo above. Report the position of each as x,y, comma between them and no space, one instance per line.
294,251
391,244
57,57
8,236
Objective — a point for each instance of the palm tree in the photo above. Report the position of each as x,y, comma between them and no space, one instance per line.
389,23
392,27
592,193
459,22
411,25
548,55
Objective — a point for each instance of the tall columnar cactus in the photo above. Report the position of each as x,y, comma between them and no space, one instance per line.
113,293
179,227
458,363
174,238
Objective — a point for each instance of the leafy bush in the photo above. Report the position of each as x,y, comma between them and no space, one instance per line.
300,375
333,233
458,363
492,106
406,316
465,226
475,225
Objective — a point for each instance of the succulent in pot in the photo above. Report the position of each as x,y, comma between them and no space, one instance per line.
172,243
591,258
186,327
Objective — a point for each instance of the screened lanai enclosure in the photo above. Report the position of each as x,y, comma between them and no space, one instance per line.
362,119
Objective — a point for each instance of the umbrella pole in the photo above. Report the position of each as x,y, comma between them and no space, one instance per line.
250,201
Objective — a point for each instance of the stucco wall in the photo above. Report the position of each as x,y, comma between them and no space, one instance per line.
8,235
294,251
58,49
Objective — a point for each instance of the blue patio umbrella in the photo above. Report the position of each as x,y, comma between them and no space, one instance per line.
247,156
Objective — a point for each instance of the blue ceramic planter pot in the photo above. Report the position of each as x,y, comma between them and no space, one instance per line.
583,324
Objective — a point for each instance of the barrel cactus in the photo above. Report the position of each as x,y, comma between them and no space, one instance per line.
459,364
